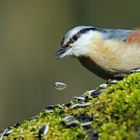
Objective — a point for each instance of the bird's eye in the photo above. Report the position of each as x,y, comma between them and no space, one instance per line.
65,46
75,37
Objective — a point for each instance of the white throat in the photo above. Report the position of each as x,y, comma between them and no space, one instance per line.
80,47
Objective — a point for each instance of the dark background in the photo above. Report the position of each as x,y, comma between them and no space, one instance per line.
30,34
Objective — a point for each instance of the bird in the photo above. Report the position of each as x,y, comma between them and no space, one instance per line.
108,53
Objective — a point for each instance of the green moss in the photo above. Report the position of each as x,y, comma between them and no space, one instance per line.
115,113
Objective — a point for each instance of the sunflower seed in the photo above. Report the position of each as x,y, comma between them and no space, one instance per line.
79,99
50,108
2,133
9,131
103,86
96,92
68,104
44,129
114,81
80,105
86,124
68,118
70,121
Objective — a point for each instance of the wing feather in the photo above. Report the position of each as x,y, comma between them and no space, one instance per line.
133,37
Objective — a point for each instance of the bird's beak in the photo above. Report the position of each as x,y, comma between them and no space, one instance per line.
60,52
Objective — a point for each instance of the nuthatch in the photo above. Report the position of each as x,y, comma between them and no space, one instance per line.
106,52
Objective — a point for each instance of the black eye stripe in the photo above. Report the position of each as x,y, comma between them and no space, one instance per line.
75,37
78,34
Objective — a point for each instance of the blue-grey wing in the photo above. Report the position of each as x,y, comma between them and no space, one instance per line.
128,36
118,34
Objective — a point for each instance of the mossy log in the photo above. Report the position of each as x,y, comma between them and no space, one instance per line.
112,115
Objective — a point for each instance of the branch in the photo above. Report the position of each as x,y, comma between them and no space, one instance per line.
113,114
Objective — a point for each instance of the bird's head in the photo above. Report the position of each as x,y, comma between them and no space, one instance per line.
104,52
75,42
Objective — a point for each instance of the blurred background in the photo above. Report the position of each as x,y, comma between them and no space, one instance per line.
30,34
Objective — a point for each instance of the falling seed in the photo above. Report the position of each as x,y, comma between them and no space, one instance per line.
60,85
44,129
